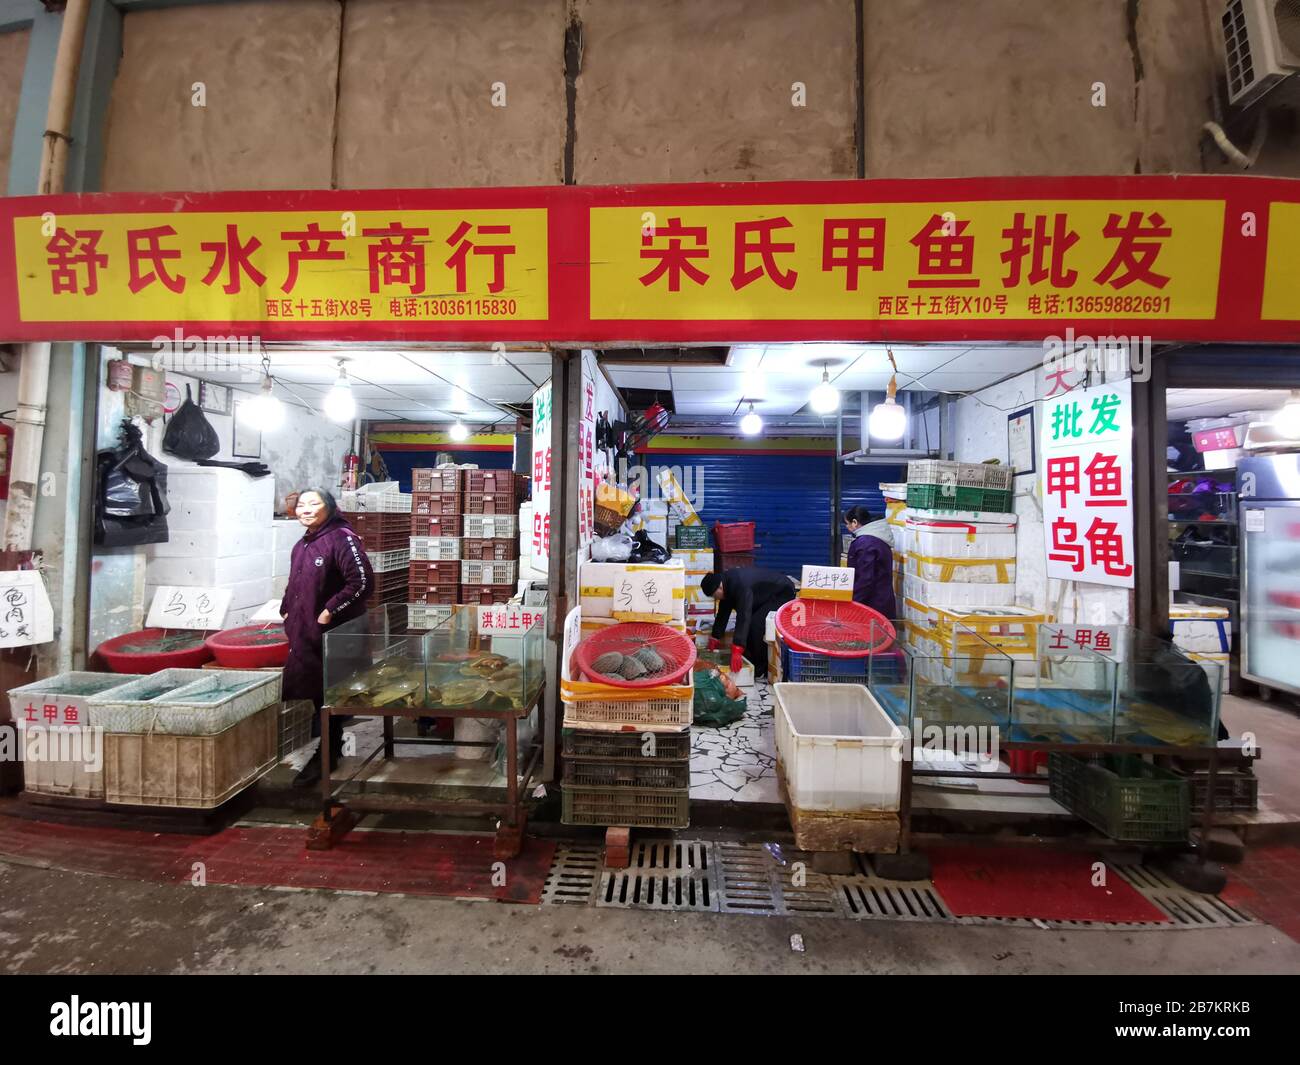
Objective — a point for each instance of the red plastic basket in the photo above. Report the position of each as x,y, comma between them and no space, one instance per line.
834,628
675,648
733,536
150,650
250,647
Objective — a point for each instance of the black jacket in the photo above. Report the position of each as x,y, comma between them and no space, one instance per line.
750,591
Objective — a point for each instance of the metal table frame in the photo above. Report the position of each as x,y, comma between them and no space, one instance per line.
338,814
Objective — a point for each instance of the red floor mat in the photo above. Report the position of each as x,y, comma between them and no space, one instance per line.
413,863
1013,882
1267,883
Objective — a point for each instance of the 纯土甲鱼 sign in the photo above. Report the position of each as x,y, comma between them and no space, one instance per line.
1187,258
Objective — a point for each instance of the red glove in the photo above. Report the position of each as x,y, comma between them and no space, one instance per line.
735,659
713,644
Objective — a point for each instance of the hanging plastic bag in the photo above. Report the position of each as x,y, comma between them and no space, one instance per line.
646,551
616,548
189,434
131,502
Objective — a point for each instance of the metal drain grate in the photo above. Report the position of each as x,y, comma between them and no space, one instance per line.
867,897
1187,909
574,872
663,875
753,882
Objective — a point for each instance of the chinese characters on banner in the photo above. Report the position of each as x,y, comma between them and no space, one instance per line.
507,620
284,266
1087,450
26,617
587,456
541,531
913,262
188,608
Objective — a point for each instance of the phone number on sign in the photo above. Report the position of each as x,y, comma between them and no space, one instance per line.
1117,304
449,308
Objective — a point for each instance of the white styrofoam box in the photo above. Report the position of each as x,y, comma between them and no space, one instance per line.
1214,662
962,570
839,749
976,517
769,633
1204,635
949,594
222,541
596,581
281,562
278,586
242,593
202,514
222,488
203,571
285,532
960,539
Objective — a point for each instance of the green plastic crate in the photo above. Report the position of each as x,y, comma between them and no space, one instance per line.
1123,796
958,497
692,536
625,807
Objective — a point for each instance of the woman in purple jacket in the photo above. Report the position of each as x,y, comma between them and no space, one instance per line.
872,559
329,582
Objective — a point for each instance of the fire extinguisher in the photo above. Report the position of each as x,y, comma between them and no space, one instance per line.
351,472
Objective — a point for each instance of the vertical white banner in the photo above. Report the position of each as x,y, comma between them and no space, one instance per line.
541,531
587,456
1087,456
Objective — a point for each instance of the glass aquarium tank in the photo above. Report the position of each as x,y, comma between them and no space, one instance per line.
469,669
1065,693
946,677
374,662
1162,697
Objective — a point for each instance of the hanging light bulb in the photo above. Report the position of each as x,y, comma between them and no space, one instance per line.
888,420
751,424
340,404
264,411
1287,420
825,397
459,433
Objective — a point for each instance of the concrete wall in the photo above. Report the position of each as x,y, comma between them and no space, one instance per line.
269,68
417,86
13,59
674,90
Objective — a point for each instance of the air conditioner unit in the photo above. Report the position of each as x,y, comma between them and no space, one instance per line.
1261,41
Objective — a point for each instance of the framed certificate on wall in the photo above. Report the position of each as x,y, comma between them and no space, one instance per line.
1021,441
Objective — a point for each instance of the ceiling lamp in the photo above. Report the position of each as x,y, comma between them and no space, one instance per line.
264,411
1287,420
458,432
888,420
340,404
751,424
825,397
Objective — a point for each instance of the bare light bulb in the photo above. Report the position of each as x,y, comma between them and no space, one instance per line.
340,404
888,420
751,424
825,397
264,411
459,433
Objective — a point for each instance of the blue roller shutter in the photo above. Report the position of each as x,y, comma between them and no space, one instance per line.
401,463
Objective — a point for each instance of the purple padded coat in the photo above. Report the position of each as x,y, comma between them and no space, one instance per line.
328,570
873,574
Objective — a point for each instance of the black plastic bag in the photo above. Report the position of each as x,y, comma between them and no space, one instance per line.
189,434
131,494
646,551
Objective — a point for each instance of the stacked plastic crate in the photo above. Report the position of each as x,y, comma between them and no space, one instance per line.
220,537
490,532
627,752
733,545
437,505
380,513
959,549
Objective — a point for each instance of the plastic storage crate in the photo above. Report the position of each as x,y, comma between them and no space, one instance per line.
650,714
490,526
628,773
387,561
195,772
436,504
734,536
295,725
441,479
64,692
492,503
628,807
500,549
433,594
480,572
486,594
1123,796
435,548
492,481
435,572
203,707
583,743
435,526
421,616
1233,790
958,497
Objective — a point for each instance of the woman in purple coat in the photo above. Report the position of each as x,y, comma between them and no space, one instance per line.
872,558
329,582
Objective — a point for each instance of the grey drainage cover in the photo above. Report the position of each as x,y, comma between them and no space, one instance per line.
752,881
1187,909
662,875
574,872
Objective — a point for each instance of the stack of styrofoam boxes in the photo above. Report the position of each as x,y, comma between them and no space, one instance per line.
700,609
285,532
597,581
220,537
489,570
1204,634
895,495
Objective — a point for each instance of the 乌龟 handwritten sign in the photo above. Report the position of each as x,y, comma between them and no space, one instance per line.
188,608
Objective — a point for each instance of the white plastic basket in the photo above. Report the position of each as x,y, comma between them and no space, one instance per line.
474,572
203,707
381,498
435,548
427,615
650,715
840,751
62,693
491,526
387,561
